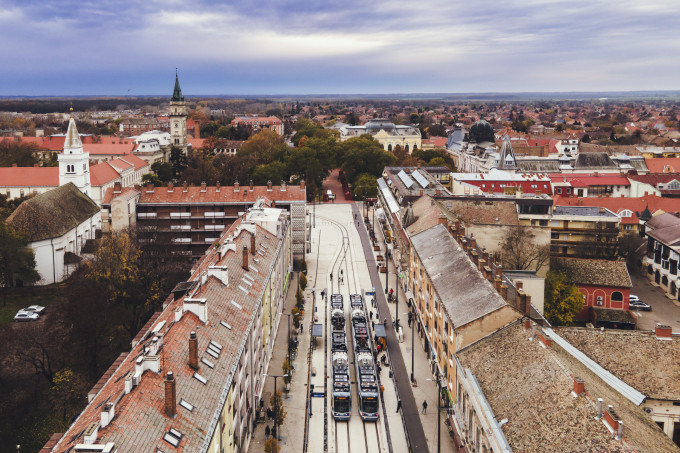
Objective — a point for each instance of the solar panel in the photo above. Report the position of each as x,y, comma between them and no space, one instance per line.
406,179
421,179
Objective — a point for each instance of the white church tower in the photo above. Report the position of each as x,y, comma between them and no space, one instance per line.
178,118
74,163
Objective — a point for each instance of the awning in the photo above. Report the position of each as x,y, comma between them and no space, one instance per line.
317,330
379,330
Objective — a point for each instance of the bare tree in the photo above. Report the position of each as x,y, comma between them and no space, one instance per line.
520,250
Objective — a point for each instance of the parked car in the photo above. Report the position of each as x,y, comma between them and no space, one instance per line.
639,305
35,309
26,316
634,298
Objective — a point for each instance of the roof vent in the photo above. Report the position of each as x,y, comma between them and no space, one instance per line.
199,307
90,433
108,412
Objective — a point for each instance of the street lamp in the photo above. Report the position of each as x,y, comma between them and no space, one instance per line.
439,401
276,403
413,325
290,365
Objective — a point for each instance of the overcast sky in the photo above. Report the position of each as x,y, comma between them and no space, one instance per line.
69,47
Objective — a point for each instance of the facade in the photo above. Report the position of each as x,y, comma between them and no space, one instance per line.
194,377
605,284
258,123
663,253
591,185
153,146
178,118
454,305
74,163
136,126
387,134
501,182
190,219
58,223
583,231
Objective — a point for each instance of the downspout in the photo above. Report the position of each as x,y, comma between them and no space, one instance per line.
54,265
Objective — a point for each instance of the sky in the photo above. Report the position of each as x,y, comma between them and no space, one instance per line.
251,47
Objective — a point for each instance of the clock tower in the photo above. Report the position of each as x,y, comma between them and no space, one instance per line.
178,118
74,162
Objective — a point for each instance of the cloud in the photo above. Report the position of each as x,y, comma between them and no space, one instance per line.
338,46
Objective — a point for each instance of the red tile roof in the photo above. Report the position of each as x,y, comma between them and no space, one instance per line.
98,149
126,192
225,195
663,165
587,180
617,205
29,176
102,174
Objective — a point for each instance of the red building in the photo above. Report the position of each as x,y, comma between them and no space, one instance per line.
605,286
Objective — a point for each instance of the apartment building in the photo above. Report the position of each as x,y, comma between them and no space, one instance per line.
583,231
663,252
194,377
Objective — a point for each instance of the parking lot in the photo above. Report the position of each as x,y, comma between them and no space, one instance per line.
664,311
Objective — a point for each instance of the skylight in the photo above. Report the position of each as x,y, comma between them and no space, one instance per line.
186,405
207,362
225,325
173,437
200,378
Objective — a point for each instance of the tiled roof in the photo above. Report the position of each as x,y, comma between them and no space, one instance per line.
663,164
530,386
140,420
665,228
102,174
98,149
464,293
638,358
226,194
126,193
588,211
618,204
582,271
656,178
53,213
586,180
29,176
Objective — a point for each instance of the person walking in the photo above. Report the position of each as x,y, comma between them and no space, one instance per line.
269,413
425,407
398,405
267,431
371,315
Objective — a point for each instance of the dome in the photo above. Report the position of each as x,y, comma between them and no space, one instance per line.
482,131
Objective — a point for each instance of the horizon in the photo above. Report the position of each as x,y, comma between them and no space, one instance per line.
67,48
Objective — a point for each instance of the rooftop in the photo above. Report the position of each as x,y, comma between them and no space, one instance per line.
584,211
223,194
464,293
582,271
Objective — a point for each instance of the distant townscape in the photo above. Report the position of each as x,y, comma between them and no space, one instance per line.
420,274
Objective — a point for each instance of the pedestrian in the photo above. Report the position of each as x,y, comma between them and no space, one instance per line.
378,367
398,405
371,315
424,407
267,431
341,272
269,413
331,276
375,355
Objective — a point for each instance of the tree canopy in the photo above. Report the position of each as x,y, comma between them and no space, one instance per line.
17,260
563,300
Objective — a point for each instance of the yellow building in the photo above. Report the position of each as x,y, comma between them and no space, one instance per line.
387,133
583,231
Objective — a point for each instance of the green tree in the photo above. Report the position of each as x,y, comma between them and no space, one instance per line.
274,171
163,170
366,186
265,147
178,160
364,155
17,260
562,299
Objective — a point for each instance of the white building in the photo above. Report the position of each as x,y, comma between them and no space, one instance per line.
178,118
387,133
74,162
58,223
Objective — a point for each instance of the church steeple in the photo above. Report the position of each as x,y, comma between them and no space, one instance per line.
177,94
74,165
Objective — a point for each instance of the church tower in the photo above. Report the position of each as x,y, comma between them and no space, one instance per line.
74,163
178,118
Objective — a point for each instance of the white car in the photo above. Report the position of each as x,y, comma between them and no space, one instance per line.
634,298
26,316
35,309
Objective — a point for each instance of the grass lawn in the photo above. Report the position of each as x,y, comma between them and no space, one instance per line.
18,298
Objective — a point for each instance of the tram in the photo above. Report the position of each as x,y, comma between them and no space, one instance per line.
342,395
367,379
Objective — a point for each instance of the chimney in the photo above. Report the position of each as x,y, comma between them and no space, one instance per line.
217,186
193,351
527,305
236,186
245,257
600,412
245,193
252,244
269,186
504,292
107,414
170,395
437,192
519,285
473,242
273,203
14,165
520,299
117,187
302,185
204,187
527,324
442,219
35,165
663,331
170,187
283,186
251,185
497,284
579,386
149,187
421,192
186,187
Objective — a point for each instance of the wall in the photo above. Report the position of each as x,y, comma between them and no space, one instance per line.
593,292
492,236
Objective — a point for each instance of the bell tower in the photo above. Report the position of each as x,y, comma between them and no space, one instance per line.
178,118
74,162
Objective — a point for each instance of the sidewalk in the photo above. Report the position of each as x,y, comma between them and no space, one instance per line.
426,386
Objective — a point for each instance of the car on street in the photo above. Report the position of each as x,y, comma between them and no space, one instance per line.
22,316
639,305
35,309
634,298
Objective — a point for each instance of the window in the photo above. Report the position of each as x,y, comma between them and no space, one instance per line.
599,300
617,296
173,437
568,190
559,190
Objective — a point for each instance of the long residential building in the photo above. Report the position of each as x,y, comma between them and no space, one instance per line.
194,377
